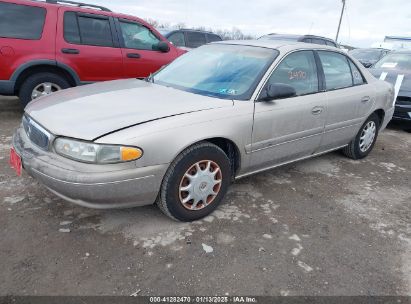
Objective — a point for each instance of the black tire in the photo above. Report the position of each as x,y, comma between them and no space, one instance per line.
34,80
169,198
353,149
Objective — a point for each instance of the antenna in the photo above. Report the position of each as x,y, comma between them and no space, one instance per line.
339,24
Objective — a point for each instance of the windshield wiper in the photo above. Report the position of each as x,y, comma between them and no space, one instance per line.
150,78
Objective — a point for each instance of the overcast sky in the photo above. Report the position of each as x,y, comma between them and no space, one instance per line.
364,22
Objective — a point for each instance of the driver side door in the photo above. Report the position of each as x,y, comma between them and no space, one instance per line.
291,128
138,47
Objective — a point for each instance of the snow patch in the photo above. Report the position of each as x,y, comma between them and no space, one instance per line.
207,249
304,266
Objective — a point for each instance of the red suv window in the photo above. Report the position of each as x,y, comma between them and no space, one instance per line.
137,36
87,29
14,21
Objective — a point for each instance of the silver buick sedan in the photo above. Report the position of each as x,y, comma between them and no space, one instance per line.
218,113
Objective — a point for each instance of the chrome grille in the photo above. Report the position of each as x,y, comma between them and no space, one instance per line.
37,134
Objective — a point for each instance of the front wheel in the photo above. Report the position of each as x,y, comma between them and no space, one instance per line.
195,183
365,139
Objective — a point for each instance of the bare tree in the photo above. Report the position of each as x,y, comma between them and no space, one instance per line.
152,22
180,25
233,34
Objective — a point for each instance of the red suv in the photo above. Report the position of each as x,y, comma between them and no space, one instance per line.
52,45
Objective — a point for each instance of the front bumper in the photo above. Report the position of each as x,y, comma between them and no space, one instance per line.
7,87
90,185
402,113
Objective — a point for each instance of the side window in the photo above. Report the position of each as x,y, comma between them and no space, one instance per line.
212,38
299,71
307,40
336,70
330,43
356,74
21,21
88,30
137,36
195,39
177,39
318,41
71,30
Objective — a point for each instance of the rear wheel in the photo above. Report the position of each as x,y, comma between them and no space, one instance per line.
195,183
41,84
365,139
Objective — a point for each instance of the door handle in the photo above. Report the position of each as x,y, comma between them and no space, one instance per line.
70,51
365,99
317,110
133,55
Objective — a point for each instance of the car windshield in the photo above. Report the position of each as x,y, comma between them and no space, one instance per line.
366,55
400,61
218,70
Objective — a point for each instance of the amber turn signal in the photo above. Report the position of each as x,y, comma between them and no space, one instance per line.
128,153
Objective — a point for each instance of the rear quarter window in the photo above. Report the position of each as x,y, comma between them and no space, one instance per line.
330,43
318,41
212,38
21,21
357,77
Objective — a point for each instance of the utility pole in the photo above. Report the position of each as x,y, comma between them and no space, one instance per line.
339,24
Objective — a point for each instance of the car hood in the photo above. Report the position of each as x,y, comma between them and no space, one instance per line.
91,111
392,74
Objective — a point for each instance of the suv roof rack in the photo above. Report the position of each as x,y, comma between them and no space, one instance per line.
79,4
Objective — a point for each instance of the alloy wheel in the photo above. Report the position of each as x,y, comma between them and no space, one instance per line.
44,89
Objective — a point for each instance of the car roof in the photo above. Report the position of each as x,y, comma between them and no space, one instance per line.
81,7
402,52
366,49
170,30
285,35
73,4
297,36
279,45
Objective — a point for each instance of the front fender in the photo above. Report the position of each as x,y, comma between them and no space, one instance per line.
164,139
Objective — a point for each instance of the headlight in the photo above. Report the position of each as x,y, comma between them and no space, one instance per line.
95,153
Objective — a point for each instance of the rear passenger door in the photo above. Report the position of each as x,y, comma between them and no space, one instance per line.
88,44
349,99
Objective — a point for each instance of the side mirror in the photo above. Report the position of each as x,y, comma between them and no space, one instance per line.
277,91
163,46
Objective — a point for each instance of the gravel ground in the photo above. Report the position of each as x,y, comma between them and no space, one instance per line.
325,226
